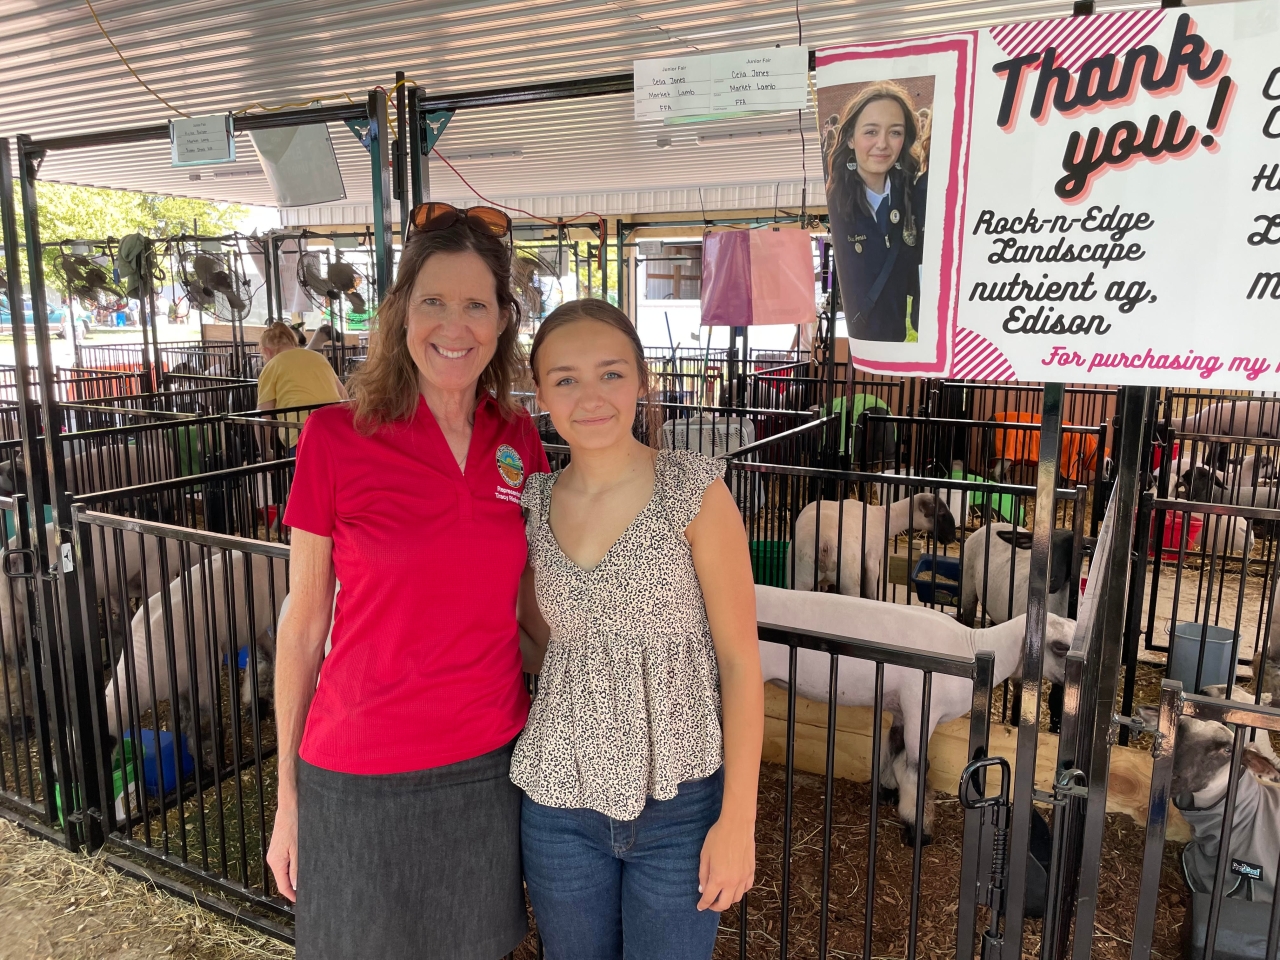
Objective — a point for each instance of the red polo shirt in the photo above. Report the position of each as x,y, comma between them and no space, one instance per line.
425,667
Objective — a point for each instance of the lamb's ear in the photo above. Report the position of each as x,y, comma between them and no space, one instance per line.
1024,537
1060,648
1259,765
1216,690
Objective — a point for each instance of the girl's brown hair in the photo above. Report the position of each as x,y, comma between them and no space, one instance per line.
601,311
385,389
846,184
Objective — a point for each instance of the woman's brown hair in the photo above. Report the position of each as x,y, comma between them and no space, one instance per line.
385,389
601,311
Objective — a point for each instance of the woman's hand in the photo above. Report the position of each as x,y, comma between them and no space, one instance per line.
283,855
728,867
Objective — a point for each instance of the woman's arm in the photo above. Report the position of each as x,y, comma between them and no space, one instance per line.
342,388
534,632
299,653
722,560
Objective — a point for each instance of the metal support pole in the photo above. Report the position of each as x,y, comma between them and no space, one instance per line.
1033,664
622,237
83,697
382,236
400,166
42,659
150,346
1133,418
417,169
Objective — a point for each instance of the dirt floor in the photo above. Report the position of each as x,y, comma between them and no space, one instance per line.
55,905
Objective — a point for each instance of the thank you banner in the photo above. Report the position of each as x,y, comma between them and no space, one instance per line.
1091,199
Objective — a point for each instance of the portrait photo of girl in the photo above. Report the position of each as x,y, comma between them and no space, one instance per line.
875,160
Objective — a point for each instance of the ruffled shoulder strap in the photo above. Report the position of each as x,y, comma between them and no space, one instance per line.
685,476
535,499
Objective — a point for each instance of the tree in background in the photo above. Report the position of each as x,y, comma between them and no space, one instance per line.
68,212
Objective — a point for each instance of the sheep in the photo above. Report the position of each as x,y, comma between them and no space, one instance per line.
1201,776
1258,740
100,468
930,631
1237,418
146,657
1266,675
995,558
859,564
1226,536
108,571
320,340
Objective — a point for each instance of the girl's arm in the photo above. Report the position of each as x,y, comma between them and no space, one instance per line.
722,560
299,653
534,632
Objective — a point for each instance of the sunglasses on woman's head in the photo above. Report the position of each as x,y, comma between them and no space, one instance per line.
426,217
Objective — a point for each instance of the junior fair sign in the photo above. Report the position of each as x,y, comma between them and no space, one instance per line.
1086,199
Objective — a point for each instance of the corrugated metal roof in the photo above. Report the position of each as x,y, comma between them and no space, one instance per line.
60,76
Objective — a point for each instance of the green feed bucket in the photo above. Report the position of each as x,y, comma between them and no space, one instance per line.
770,562
118,777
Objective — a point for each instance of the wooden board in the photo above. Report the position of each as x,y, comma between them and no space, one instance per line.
1128,789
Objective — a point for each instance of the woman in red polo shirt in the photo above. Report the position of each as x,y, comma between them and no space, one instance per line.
398,828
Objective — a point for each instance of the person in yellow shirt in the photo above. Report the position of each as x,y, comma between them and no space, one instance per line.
293,376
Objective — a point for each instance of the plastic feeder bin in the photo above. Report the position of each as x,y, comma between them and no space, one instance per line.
1173,535
937,580
157,765
770,564
1185,652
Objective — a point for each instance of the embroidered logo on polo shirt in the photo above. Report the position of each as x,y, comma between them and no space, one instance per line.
510,466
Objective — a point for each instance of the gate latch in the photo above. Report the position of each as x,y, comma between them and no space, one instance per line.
1135,724
1070,783
997,808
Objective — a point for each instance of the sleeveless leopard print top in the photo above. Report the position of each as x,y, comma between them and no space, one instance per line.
628,703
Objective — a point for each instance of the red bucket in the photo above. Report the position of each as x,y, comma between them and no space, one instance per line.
1173,534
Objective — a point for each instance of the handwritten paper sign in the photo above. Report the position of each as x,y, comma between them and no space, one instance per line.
197,141
771,79
1091,199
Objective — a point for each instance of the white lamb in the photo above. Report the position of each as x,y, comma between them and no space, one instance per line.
859,567
919,627
147,655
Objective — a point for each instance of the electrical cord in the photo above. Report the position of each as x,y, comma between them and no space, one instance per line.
561,222
107,37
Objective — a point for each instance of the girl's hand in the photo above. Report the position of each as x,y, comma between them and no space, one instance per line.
283,853
728,867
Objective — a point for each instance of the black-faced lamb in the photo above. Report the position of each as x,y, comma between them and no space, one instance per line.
920,627
993,557
840,524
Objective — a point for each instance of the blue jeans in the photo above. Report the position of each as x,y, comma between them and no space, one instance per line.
605,889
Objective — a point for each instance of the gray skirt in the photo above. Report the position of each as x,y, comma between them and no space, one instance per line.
417,865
